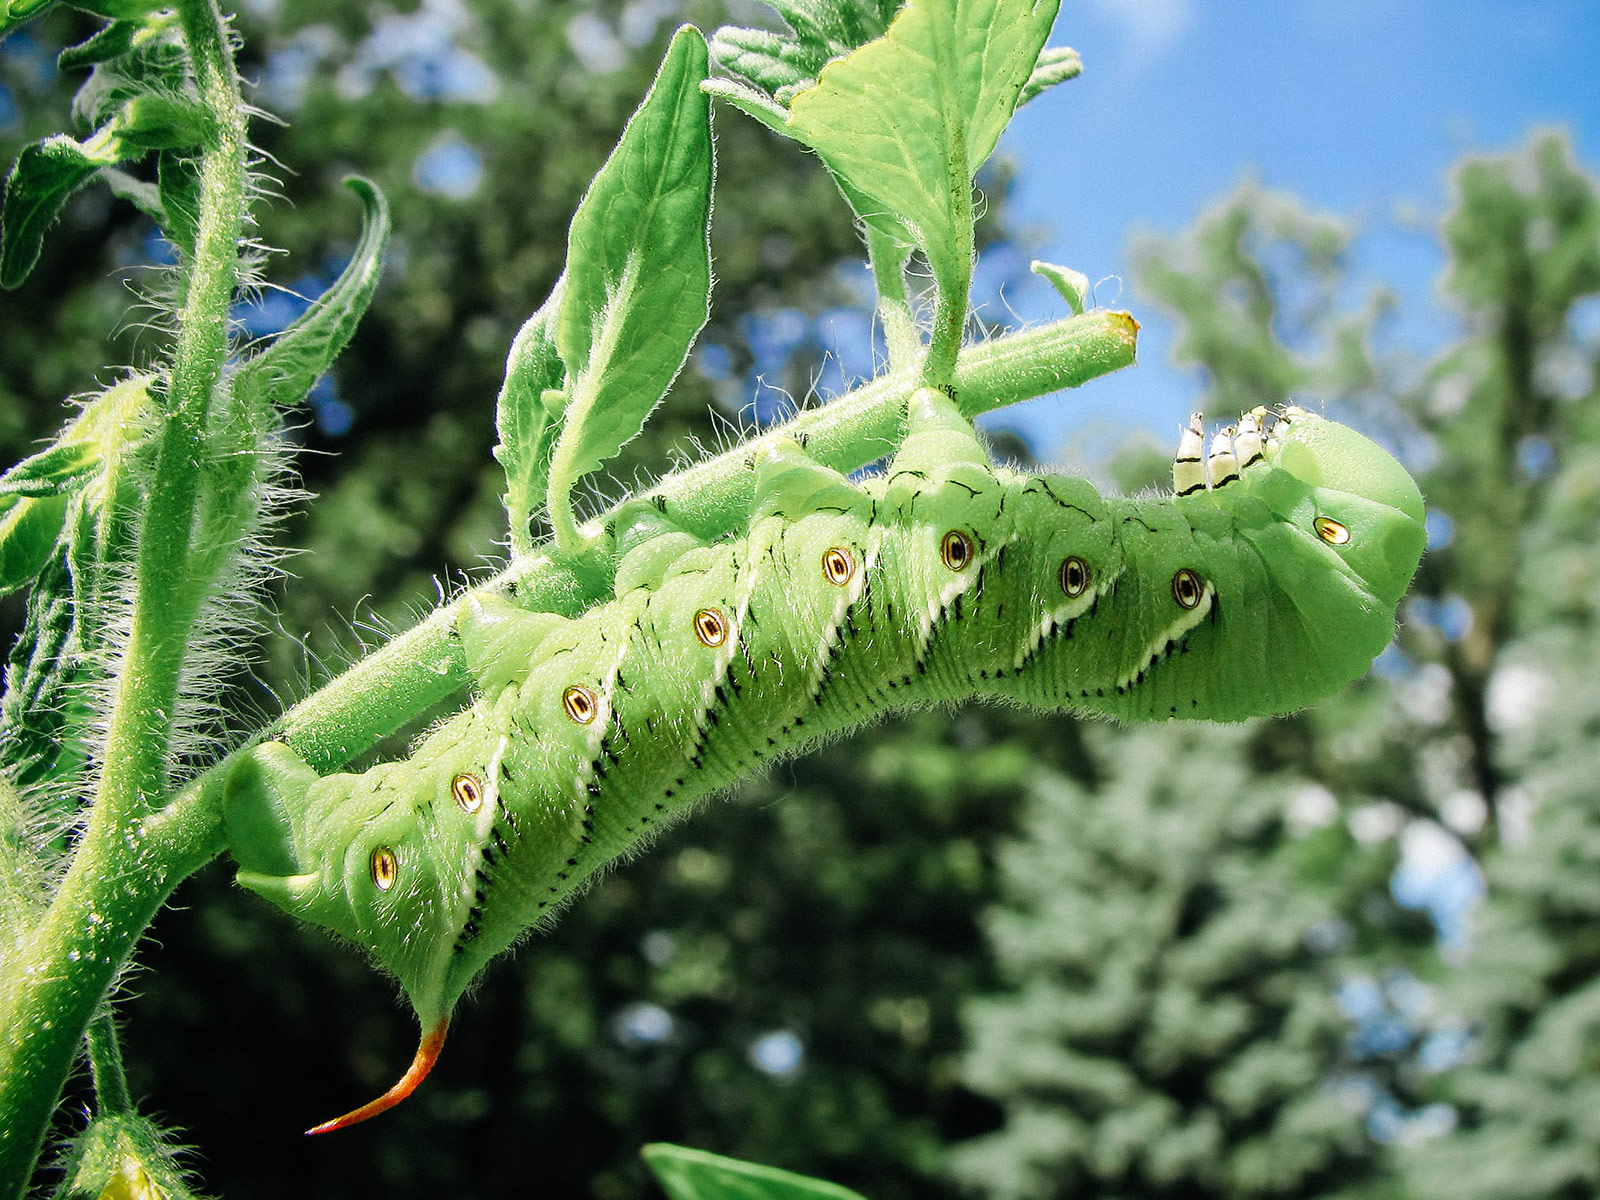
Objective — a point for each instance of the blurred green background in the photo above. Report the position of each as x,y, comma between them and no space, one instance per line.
1352,953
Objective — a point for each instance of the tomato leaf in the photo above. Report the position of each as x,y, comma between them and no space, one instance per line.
907,120
528,416
45,175
285,371
697,1175
638,274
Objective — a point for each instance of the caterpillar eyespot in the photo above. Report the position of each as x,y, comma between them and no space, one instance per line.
1073,576
580,703
1331,531
468,791
654,730
1187,588
838,565
956,550
384,867
710,627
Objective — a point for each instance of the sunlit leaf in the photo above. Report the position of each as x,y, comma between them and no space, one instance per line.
752,102
45,175
282,373
908,119
48,472
28,533
769,61
525,417
1073,285
34,493
1056,64
638,273
696,1175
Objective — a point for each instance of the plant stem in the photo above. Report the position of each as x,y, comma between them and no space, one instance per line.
423,667
105,1061
887,256
952,266
115,882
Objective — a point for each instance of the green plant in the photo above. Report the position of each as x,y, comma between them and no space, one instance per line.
138,529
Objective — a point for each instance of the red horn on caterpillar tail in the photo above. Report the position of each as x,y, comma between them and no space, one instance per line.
427,1054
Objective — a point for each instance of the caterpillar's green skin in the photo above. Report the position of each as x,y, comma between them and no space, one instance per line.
1279,618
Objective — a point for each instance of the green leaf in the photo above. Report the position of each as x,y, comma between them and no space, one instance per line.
751,102
178,186
638,274
46,173
28,533
161,122
524,418
780,65
155,64
696,1175
285,371
907,120
1073,285
107,43
44,714
1056,64
825,22
121,10
34,493
140,193
766,60
49,472
33,506
17,11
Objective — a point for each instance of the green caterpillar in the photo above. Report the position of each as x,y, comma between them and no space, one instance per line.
1268,581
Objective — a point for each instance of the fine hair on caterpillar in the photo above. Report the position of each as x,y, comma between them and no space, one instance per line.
1268,580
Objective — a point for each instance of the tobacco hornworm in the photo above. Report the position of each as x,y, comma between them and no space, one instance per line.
1269,580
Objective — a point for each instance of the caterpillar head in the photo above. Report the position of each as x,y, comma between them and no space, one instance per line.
1333,527
1267,583
1352,494
383,858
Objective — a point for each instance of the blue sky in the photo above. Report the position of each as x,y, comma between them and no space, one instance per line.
1357,106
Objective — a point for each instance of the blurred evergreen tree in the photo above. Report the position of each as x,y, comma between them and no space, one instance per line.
1514,413
1185,929
1171,948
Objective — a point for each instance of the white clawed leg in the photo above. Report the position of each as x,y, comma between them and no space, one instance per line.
1247,441
1188,467
1222,467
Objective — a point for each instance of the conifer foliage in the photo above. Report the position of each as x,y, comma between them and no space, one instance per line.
1171,1020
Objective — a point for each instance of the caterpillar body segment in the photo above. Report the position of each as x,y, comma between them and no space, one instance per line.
1272,582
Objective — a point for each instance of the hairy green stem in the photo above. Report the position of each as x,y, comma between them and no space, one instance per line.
105,1062
953,268
422,667
887,256
115,882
